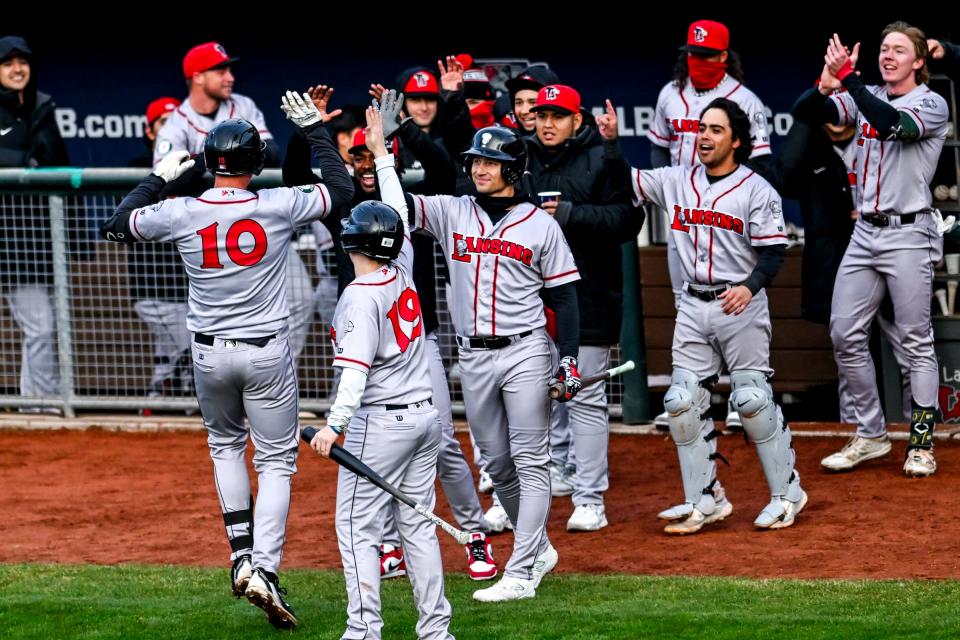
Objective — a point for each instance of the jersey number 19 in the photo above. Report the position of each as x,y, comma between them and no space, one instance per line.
406,312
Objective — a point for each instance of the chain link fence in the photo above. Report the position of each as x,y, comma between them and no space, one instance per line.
90,324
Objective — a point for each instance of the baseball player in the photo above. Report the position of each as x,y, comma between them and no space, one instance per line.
901,128
208,71
383,404
728,228
501,251
707,69
233,244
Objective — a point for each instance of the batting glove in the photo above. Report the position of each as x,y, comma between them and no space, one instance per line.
390,106
568,375
173,165
300,110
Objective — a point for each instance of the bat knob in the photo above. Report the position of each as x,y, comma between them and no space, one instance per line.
556,390
308,434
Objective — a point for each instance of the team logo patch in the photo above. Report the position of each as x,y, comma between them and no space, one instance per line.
421,79
386,242
485,139
927,103
699,34
552,93
306,188
461,247
775,209
760,118
221,50
164,147
349,327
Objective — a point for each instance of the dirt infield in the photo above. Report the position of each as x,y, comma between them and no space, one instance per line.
104,497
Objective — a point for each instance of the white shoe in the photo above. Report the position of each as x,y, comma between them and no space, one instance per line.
508,588
920,463
857,450
544,564
561,483
683,511
662,421
240,574
587,517
783,510
497,519
697,519
486,483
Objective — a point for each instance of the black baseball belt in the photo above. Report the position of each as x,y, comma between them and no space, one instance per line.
202,338
709,293
491,342
883,220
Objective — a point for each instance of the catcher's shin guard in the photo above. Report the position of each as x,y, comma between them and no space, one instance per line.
687,401
763,422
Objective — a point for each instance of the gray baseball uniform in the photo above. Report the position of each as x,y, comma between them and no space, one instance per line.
186,129
716,226
496,272
234,244
378,330
897,257
676,124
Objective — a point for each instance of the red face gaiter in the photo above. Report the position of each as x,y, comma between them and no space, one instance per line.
482,114
705,74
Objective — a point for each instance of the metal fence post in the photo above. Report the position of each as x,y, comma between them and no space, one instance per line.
61,296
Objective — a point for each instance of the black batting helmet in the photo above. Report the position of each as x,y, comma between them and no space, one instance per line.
502,144
234,148
374,229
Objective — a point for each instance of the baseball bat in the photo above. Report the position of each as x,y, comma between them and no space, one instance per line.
556,390
350,462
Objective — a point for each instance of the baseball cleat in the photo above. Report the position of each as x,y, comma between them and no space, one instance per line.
587,517
480,563
497,519
682,511
264,591
486,483
392,564
508,588
920,463
780,513
544,564
240,574
858,449
697,519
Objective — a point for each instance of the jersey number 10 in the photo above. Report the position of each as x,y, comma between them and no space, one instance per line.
211,254
407,308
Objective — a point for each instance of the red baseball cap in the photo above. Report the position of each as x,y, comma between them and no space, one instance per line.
159,107
360,143
204,57
559,98
421,83
707,38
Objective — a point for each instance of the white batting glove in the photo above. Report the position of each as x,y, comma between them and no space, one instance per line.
173,165
300,109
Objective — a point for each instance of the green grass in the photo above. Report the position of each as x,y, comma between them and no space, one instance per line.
134,601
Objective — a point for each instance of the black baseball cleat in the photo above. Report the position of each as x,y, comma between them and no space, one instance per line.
264,591
240,574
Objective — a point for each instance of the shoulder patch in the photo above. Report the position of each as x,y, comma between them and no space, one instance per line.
927,103
164,146
307,188
775,208
760,118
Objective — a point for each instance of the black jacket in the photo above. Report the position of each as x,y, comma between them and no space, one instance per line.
597,217
809,170
30,139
